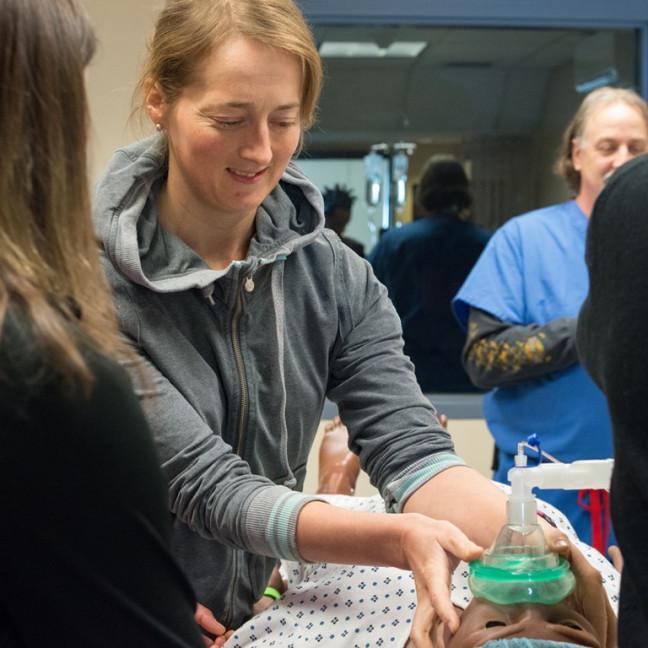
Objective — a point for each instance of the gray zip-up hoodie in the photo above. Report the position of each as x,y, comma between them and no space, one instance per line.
241,361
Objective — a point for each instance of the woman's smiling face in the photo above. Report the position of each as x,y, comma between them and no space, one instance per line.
233,131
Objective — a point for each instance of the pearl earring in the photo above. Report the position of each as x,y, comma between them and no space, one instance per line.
159,128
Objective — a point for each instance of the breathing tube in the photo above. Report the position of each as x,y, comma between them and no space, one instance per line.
519,567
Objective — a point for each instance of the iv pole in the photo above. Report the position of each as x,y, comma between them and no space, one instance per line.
386,168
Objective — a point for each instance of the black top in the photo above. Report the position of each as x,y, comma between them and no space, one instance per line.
84,540
423,265
612,340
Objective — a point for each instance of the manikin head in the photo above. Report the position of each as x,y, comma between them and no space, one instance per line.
584,618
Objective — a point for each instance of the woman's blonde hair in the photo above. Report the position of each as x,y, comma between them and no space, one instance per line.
564,167
50,274
188,30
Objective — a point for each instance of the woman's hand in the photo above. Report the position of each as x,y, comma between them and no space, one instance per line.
429,548
217,634
432,549
589,595
616,557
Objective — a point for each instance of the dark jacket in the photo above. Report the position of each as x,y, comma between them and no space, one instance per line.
423,265
612,341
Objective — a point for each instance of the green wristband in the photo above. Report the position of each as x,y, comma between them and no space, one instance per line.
273,593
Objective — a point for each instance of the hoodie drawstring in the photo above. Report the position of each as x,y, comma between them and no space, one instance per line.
207,293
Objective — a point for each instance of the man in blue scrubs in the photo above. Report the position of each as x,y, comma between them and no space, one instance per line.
519,306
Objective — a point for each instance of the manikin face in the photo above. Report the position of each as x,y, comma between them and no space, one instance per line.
584,618
613,134
483,621
232,133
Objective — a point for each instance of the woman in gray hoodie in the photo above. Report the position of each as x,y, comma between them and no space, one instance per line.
250,313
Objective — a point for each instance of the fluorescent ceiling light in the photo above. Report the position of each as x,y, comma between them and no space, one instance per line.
406,49
368,49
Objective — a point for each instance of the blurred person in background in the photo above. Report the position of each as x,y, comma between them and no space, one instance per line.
338,203
423,264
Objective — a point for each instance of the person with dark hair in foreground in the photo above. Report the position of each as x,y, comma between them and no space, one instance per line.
85,542
612,334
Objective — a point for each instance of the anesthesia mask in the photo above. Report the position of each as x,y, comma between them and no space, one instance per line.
518,567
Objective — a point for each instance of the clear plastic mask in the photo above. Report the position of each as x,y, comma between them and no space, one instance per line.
519,568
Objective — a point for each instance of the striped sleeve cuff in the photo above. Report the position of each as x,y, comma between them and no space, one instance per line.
271,522
398,490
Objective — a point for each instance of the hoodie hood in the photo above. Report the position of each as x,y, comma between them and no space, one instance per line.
126,221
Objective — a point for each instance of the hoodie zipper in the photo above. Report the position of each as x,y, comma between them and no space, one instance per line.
240,368
243,417
233,589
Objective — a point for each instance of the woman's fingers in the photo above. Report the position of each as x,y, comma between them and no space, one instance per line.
206,620
219,642
589,596
616,557
208,623
442,605
456,542
438,579
558,542
434,549
423,621
433,594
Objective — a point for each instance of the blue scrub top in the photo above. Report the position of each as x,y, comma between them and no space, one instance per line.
533,271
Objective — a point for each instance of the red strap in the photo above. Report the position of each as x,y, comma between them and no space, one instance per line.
599,510
605,497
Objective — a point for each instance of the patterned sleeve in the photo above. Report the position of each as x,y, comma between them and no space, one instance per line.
499,354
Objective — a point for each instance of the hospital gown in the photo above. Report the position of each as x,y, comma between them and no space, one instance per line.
351,606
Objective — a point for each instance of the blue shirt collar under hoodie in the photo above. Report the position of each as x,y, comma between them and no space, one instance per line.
291,216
